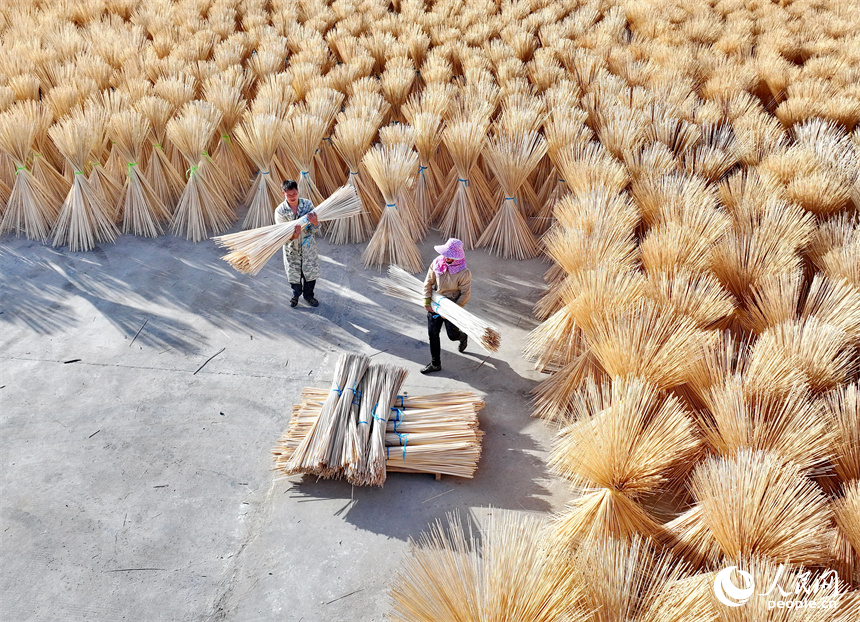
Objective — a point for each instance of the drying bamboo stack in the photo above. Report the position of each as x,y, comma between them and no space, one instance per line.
362,428
84,219
392,167
259,135
203,206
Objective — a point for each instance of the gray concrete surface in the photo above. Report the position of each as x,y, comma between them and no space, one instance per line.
135,489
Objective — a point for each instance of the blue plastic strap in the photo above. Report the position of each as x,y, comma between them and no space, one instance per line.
356,394
338,390
394,205
398,416
375,416
353,173
465,181
404,440
264,173
400,397
514,199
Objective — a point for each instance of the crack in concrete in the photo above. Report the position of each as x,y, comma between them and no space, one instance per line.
256,519
169,369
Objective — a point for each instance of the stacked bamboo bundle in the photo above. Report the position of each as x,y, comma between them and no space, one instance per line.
361,428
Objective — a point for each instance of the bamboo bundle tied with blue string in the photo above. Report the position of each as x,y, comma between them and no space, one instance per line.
393,168
512,158
461,213
437,434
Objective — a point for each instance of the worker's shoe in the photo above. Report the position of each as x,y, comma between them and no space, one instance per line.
312,301
294,302
431,367
464,341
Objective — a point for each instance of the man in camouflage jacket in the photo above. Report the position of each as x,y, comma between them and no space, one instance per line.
301,260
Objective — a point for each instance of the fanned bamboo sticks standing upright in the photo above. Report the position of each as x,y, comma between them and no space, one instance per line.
166,181
461,214
84,219
141,209
259,135
512,159
226,95
352,137
392,167
29,210
203,206
428,137
303,134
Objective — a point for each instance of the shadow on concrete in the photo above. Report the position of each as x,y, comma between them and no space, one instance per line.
176,295
509,477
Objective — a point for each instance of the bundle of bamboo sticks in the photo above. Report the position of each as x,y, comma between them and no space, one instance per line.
401,284
250,250
361,428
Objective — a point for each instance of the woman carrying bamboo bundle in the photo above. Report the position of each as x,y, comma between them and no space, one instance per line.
301,260
450,277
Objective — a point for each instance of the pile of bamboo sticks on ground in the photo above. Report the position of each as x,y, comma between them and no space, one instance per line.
361,428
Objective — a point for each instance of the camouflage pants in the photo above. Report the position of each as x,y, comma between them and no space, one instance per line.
302,259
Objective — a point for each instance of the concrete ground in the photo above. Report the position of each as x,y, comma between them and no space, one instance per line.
137,485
